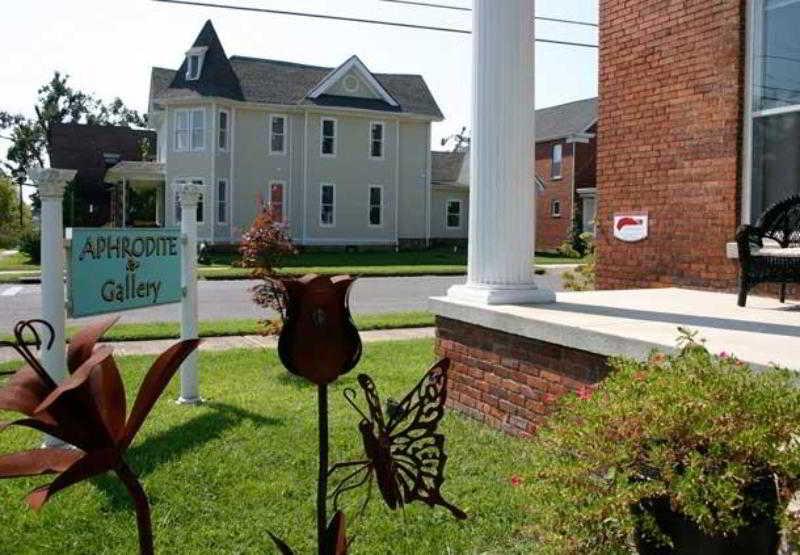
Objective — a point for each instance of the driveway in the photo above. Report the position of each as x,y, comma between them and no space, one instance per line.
221,300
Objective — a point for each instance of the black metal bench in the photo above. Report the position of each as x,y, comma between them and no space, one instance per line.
769,252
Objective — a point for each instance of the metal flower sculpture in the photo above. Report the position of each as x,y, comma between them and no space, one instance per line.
405,453
86,411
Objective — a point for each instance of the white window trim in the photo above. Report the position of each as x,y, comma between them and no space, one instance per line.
560,162
322,121
175,201
553,212
285,150
200,52
190,140
282,183
333,212
383,140
227,129
227,202
447,213
369,206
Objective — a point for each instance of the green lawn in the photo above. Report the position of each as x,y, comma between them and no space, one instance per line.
15,262
221,475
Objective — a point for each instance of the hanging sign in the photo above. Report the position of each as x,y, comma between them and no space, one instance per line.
111,270
630,227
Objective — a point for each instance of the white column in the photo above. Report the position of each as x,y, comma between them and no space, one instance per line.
502,191
189,196
51,184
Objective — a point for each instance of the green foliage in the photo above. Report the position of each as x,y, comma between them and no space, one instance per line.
11,225
583,277
576,244
697,429
30,244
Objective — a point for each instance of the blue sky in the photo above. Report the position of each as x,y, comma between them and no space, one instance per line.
109,46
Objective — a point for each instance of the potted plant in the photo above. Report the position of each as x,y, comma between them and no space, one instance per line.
684,453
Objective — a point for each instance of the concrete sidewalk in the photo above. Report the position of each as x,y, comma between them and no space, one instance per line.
125,348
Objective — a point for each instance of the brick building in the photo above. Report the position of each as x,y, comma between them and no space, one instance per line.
699,129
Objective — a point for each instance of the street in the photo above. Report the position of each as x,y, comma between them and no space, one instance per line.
222,300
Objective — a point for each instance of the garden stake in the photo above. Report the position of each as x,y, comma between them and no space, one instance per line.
87,411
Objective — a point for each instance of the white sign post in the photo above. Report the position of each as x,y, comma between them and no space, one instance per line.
189,196
51,184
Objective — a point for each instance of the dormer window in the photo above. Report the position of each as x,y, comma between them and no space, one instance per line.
194,62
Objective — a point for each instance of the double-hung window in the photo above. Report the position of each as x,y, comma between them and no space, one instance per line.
327,205
190,129
375,205
178,211
453,214
276,190
222,201
328,137
555,161
772,135
277,134
555,208
376,138
223,122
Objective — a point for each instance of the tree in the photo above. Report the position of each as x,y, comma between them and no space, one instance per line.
57,102
10,227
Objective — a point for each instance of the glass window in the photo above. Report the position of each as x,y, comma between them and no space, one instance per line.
555,208
555,165
375,205
328,137
179,212
222,201
182,130
223,130
198,129
453,214
277,131
276,200
775,116
327,199
376,140
193,67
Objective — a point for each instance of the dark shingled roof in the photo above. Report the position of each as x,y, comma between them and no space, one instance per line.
446,166
565,119
279,82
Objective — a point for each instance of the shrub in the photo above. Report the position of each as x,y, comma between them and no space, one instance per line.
264,246
695,429
30,244
583,277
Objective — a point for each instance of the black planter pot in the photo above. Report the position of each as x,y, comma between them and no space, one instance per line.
760,537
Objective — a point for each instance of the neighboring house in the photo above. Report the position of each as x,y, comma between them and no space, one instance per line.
565,178
450,198
92,150
566,156
341,153
700,116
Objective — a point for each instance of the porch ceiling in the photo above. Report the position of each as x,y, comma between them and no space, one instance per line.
136,171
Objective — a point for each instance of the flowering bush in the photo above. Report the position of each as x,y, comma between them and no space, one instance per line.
264,246
694,429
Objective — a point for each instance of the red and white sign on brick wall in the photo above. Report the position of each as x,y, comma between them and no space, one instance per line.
630,227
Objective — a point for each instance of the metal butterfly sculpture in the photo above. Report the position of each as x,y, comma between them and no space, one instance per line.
87,411
405,453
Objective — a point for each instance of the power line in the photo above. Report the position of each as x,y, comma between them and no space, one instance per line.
354,20
463,9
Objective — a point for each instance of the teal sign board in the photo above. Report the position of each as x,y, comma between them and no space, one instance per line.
111,270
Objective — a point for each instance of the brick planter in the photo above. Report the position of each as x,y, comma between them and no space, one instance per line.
508,381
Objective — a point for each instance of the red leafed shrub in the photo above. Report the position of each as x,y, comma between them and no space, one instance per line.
264,247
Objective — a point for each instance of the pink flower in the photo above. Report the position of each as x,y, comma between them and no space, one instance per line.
724,354
585,393
516,481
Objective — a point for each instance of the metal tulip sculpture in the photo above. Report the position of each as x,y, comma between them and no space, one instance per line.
87,411
405,454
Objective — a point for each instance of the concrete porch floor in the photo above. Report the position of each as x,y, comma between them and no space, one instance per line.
633,322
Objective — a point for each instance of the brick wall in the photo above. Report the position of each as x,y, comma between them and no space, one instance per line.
552,231
669,139
507,381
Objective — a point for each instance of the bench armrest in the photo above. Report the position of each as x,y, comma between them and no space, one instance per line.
747,236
